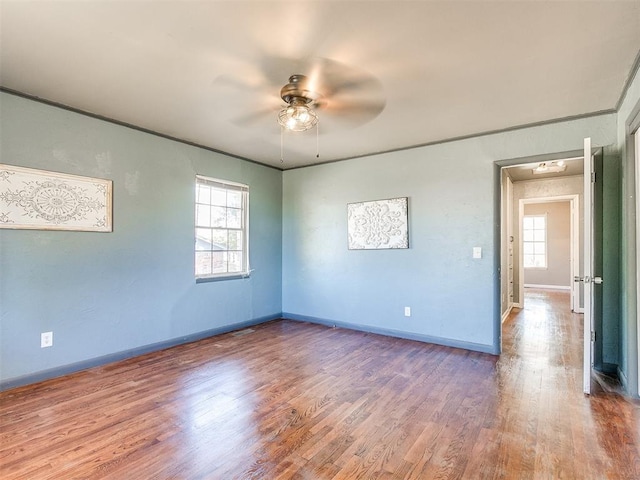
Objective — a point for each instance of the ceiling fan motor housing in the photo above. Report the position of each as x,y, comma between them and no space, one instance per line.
296,92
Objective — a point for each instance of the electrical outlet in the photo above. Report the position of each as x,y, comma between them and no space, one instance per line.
407,311
46,339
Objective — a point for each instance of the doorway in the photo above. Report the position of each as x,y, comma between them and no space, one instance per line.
554,244
544,178
521,185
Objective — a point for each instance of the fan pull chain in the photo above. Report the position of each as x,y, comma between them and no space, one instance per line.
281,144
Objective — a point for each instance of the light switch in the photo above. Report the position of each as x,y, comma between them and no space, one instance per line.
477,252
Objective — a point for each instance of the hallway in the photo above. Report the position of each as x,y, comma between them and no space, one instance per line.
542,366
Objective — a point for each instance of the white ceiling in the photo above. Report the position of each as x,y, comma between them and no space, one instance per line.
210,72
522,173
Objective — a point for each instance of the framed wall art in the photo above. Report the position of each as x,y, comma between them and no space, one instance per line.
42,200
378,224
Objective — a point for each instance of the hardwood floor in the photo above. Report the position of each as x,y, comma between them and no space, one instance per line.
292,400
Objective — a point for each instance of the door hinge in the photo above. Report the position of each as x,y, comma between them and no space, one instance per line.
593,177
593,336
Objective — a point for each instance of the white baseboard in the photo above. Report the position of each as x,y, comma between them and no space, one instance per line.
517,305
547,287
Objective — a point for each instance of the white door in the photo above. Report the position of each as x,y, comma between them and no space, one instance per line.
589,277
575,254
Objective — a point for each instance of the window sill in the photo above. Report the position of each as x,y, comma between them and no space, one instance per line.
219,278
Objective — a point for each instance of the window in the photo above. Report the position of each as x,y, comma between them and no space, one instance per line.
221,243
534,241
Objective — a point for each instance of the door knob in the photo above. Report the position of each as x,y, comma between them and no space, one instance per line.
597,280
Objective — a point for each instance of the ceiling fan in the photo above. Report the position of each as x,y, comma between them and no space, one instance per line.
325,91
342,96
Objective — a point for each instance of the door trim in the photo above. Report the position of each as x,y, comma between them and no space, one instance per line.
574,205
636,152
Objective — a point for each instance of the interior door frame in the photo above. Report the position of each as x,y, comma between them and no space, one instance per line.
588,326
509,238
506,249
631,378
499,226
574,243
636,148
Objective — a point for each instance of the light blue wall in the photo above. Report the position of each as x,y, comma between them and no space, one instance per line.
628,370
104,293
452,208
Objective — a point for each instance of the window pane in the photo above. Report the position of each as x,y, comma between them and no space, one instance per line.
235,240
220,240
528,261
235,261
527,223
203,194
219,262
203,263
218,197
534,239
218,217
234,218
234,199
203,239
203,215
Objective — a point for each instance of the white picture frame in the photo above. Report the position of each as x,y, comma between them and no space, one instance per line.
42,200
378,224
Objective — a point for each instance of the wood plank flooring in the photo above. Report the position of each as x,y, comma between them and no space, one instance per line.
299,401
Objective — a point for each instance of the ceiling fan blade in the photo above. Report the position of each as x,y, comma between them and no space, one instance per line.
325,76
342,108
351,113
250,98
363,86
277,70
257,118
335,78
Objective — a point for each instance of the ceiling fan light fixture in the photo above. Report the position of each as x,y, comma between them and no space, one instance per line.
299,114
297,117
553,167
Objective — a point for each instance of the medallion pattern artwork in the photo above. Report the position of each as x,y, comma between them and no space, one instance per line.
378,224
48,200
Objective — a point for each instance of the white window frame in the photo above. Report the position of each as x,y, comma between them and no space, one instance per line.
544,242
201,225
